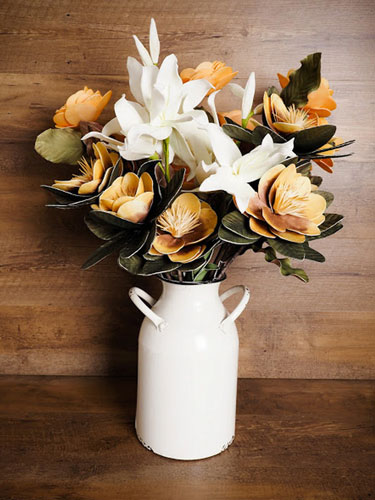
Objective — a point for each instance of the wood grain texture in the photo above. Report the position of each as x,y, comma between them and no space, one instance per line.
57,319
73,439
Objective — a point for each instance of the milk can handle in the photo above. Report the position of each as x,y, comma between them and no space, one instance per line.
136,295
241,305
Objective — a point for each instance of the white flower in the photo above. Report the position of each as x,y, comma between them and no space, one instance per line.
247,95
164,105
232,172
152,57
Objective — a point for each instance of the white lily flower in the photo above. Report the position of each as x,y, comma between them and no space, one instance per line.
246,94
152,57
232,172
164,104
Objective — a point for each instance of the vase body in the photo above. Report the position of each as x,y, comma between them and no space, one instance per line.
187,374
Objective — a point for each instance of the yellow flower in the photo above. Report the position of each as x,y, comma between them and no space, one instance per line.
284,119
285,206
216,72
84,105
129,197
94,175
320,101
182,227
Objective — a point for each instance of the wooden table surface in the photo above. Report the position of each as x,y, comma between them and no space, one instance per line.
72,438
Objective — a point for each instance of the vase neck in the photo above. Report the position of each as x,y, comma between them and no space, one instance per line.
205,291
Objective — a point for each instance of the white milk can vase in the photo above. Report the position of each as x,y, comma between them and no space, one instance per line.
187,369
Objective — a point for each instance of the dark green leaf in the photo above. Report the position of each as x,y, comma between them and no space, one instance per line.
316,180
63,196
302,81
303,167
133,243
330,220
328,232
230,237
117,170
313,138
169,193
103,251
101,229
312,254
238,133
261,131
192,266
287,248
239,224
137,265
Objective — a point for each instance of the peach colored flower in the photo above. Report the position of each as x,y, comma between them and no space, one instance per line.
183,227
84,105
285,206
216,72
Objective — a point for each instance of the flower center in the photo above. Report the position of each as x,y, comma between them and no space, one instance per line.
178,221
291,202
86,170
296,116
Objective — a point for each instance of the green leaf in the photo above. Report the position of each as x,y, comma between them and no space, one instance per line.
311,139
326,195
239,224
60,145
237,132
316,180
133,243
115,220
63,197
312,254
326,233
137,265
76,204
330,220
303,167
302,81
193,266
169,193
103,251
295,250
261,131
286,268
101,229
230,237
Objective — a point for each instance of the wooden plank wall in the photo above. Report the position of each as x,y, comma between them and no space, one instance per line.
57,319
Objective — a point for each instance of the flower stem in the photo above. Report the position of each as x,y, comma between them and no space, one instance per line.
166,159
245,121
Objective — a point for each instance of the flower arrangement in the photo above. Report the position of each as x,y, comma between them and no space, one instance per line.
180,189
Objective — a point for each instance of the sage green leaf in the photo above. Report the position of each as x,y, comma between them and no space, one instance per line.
149,256
230,237
330,220
272,90
313,138
302,81
150,239
286,268
103,251
312,254
237,132
326,195
101,229
239,224
115,220
137,265
260,132
76,204
60,145
287,248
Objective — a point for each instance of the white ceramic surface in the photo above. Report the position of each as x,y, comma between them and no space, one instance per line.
187,370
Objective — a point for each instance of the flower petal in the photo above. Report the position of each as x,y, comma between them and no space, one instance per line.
289,236
207,224
187,254
167,244
187,202
154,42
136,210
135,75
143,52
260,227
193,92
223,146
248,97
130,114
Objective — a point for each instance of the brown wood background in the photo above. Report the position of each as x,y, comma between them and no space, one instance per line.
57,319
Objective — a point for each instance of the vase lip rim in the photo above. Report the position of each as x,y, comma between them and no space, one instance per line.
193,283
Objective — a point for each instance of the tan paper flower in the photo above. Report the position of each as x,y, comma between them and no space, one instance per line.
85,105
182,228
216,72
129,197
285,206
94,175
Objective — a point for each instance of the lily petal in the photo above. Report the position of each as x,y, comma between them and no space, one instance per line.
154,42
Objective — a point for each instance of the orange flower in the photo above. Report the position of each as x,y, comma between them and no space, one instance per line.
285,206
320,101
84,105
327,163
217,73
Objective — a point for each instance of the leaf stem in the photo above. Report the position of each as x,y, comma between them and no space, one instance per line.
166,159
